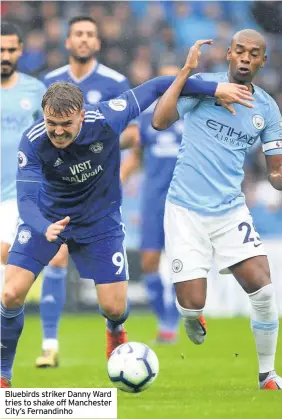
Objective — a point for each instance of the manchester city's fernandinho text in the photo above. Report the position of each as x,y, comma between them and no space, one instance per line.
58,403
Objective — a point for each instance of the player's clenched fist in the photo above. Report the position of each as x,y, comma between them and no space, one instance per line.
55,229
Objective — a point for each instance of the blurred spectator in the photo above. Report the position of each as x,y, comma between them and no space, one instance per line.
34,56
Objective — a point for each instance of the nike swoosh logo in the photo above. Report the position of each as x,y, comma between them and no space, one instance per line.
257,245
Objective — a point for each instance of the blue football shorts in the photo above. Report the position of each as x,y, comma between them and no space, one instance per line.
101,257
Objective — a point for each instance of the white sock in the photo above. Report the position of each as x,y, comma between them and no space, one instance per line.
265,324
187,313
50,344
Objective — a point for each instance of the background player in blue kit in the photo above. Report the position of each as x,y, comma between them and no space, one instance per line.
206,213
68,190
160,150
20,106
97,82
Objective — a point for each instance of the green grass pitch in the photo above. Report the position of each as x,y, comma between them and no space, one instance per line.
217,380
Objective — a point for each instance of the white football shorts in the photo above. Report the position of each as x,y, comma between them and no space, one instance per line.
192,241
9,219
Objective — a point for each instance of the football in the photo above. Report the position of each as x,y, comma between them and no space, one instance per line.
133,367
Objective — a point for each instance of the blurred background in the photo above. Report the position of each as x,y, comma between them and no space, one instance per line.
137,37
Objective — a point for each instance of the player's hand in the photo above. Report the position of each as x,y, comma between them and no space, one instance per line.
228,93
192,59
56,228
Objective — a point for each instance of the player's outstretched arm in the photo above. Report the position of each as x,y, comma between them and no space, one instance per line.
274,166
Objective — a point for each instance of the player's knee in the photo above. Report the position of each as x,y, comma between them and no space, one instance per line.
191,302
263,302
114,310
11,297
150,262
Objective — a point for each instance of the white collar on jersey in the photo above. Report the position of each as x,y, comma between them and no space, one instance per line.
91,71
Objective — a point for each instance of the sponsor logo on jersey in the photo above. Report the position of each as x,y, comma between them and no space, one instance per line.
24,236
229,134
177,265
22,159
258,122
82,171
279,144
118,104
96,147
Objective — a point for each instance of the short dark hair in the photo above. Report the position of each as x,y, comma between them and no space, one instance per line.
9,28
80,18
63,98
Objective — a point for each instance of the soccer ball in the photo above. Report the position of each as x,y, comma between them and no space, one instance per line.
133,367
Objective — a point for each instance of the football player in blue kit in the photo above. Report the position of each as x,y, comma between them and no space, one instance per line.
159,150
68,192
97,83
206,214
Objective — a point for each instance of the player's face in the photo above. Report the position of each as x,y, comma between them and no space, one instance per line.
83,42
62,130
246,57
11,50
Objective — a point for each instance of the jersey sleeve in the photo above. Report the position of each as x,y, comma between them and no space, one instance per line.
186,104
271,136
28,183
120,111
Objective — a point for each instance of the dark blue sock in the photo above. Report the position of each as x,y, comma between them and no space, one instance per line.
154,288
116,325
52,301
12,321
171,314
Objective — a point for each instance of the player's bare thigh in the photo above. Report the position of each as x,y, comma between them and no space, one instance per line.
61,258
252,274
113,298
16,286
150,260
4,250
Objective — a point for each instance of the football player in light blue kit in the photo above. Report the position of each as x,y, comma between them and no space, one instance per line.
205,211
97,82
20,107
159,150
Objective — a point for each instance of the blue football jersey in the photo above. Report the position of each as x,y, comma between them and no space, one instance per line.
100,84
20,107
160,153
82,180
209,169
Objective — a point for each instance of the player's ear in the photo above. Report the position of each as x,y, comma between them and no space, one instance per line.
67,44
228,56
20,50
82,115
263,61
98,44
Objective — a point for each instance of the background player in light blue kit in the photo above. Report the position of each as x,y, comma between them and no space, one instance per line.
97,82
68,191
21,97
159,150
206,213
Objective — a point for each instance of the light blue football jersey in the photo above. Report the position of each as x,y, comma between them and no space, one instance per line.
209,170
20,107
